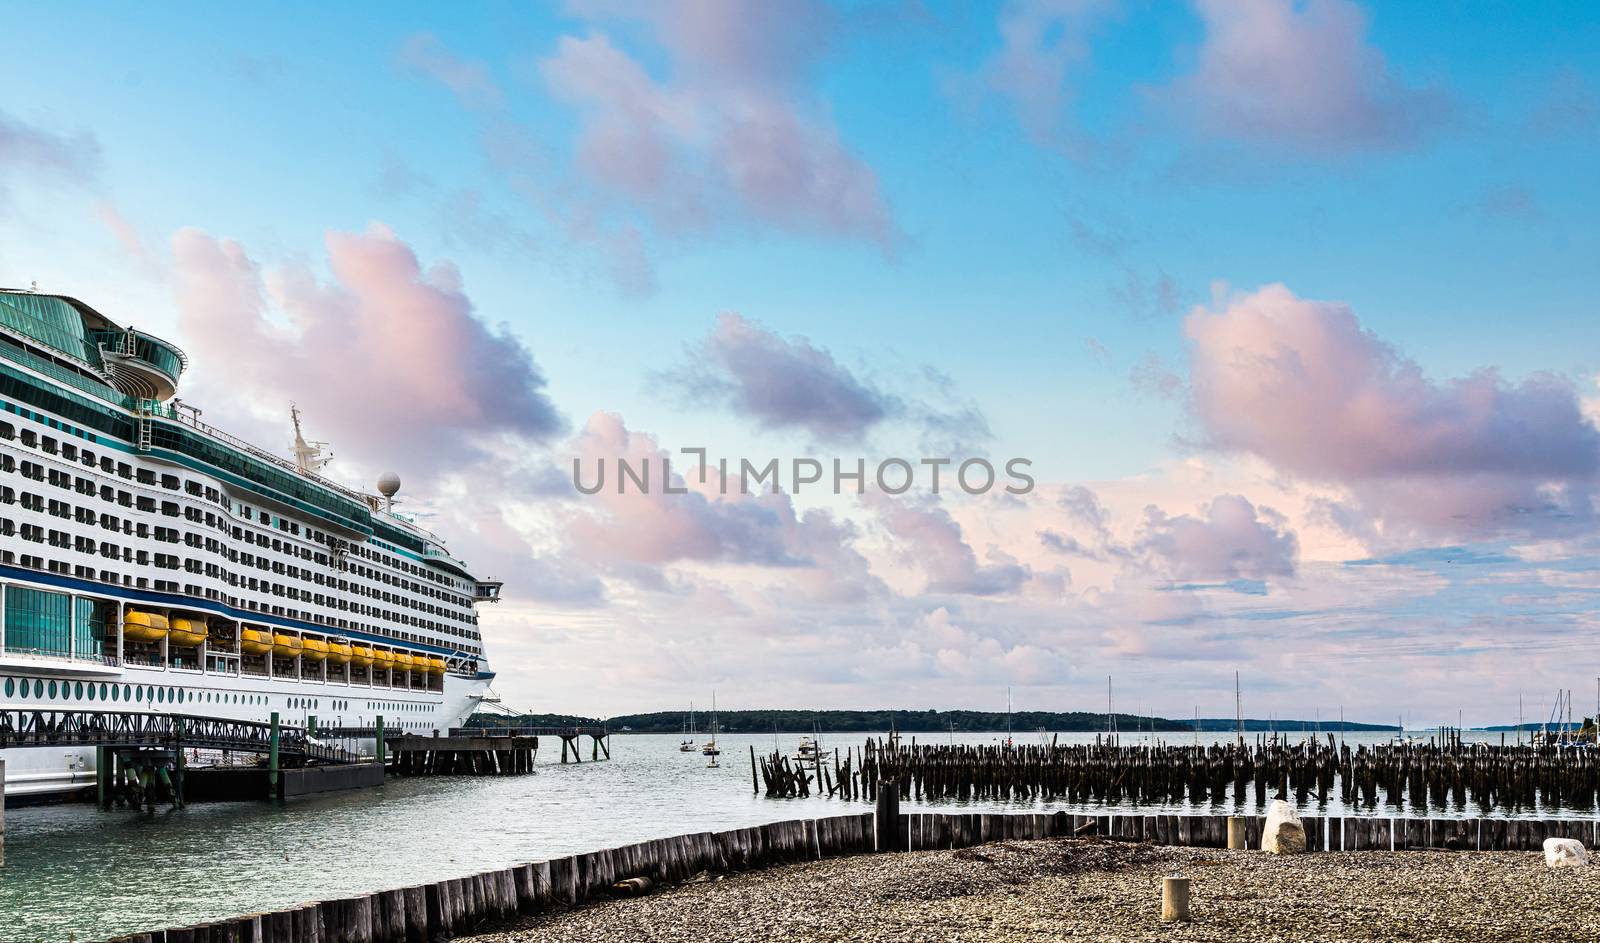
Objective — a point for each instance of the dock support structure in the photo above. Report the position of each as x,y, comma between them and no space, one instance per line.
272,758
380,740
2,813
102,775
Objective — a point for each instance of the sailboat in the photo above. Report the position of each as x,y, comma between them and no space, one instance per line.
710,747
687,745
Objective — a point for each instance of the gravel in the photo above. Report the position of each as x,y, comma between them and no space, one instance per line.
1102,890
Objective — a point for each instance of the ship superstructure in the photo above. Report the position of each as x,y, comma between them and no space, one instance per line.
150,562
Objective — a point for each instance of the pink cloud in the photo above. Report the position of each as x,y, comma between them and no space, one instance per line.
783,384
1302,385
732,127
927,537
424,55
1301,75
1042,42
632,533
1230,539
383,353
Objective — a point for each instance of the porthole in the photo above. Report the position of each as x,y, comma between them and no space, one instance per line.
180,695
171,694
77,691
103,690
116,693
52,690
161,696
127,691
38,689
138,694
11,687
91,690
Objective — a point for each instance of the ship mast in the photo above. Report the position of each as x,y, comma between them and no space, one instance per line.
308,456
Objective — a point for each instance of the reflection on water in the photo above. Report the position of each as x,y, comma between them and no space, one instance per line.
73,872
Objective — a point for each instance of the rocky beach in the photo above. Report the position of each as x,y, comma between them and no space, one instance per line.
1095,889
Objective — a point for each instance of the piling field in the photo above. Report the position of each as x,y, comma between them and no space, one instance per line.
1444,771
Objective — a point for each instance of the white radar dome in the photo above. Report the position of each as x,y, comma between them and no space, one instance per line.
388,484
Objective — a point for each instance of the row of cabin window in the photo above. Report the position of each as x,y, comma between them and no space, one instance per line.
35,471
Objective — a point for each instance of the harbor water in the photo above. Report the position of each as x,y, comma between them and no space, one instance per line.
73,872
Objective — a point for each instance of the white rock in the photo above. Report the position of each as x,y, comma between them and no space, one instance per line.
1565,853
1283,833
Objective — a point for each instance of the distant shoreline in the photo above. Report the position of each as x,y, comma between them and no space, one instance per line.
1021,723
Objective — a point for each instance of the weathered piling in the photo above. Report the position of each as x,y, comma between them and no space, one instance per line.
1444,773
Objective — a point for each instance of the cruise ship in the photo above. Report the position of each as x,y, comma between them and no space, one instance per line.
149,562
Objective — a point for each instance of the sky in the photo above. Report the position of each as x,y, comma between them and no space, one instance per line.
1288,307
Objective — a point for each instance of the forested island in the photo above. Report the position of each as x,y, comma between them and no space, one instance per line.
905,721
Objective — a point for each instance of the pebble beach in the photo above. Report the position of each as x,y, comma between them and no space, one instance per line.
1093,889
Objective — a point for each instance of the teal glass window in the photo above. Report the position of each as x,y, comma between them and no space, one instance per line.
37,621
11,687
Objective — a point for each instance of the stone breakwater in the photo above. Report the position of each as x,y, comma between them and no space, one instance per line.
1100,890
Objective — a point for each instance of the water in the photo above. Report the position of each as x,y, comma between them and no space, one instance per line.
73,872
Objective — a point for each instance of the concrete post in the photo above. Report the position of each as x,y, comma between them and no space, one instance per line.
1236,832
1175,899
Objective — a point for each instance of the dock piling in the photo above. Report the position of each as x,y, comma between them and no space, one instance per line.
272,758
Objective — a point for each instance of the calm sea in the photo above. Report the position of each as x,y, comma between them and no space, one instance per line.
73,872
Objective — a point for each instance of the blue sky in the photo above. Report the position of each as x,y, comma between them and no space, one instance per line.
1039,237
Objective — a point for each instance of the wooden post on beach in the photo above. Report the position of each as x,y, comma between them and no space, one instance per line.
755,781
1175,899
886,820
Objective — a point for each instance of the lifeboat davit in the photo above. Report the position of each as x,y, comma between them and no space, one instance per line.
186,632
255,641
144,626
286,646
361,655
339,652
315,649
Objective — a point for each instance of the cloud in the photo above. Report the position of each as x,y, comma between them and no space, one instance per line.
783,384
732,129
633,533
385,352
1302,385
1300,76
1042,42
424,55
1231,539
930,539
27,149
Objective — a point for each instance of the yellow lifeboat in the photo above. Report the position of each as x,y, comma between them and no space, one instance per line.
186,632
382,659
315,649
144,626
339,652
403,662
255,641
435,665
361,655
286,646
